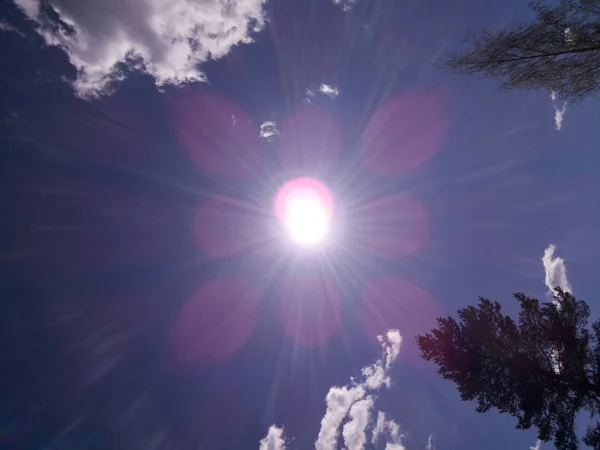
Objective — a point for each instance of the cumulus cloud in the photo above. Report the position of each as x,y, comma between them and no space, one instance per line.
556,271
350,410
167,40
338,401
274,440
559,112
555,275
354,431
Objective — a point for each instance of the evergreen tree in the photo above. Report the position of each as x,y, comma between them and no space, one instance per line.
543,369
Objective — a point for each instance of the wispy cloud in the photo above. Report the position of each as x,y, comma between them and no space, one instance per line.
555,271
430,445
537,446
559,112
6,27
355,404
167,40
325,89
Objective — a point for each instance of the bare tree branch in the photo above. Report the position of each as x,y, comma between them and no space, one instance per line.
557,52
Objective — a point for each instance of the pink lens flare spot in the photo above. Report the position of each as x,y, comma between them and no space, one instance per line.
217,134
393,302
226,226
390,227
310,308
216,322
304,207
405,133
310,140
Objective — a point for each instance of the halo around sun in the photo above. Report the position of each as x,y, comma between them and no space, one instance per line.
304,208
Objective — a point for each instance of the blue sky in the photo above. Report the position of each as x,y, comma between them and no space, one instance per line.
151,304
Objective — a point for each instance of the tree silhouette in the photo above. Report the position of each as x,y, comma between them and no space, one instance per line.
557,52
543,369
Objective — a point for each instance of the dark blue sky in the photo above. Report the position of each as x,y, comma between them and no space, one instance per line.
122,324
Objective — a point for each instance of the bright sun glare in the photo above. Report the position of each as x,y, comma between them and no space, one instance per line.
303,207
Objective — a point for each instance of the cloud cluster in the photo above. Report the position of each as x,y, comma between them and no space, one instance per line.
167,40
350,410
555,270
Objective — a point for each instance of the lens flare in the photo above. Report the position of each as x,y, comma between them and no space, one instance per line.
304,208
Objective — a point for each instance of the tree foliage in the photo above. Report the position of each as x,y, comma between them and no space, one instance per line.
557,52
543,369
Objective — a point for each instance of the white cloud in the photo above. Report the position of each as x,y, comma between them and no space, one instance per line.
376,376
30,7
379,427
355,404
354,431
537,446
559,112
338,401
167,40
555,275
328,90
345,4
274,440
391,344
268,129
325,89
556,271
387,427
430,445
558,116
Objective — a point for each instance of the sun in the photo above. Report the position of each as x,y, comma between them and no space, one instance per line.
304,208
